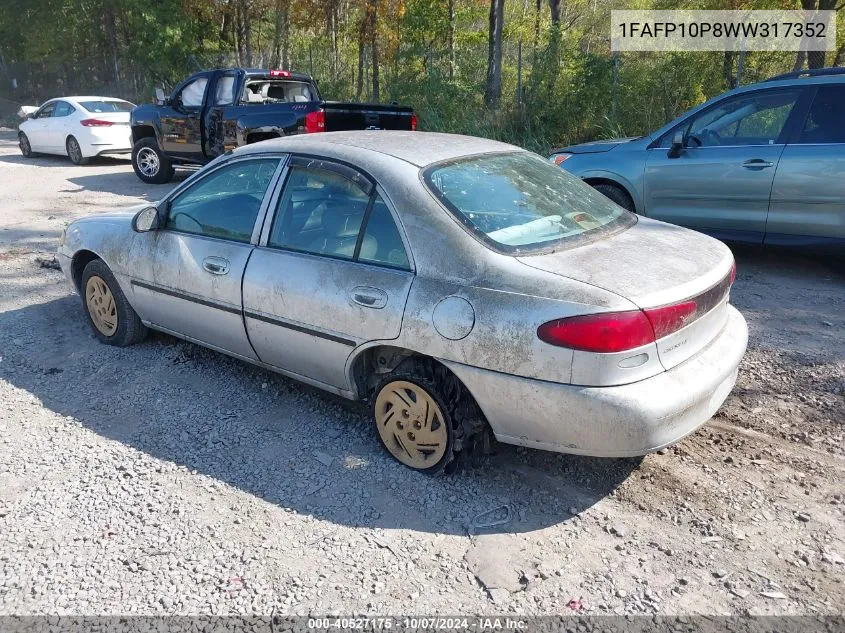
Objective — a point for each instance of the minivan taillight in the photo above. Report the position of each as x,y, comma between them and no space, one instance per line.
96,123
413,123
315,121
609,332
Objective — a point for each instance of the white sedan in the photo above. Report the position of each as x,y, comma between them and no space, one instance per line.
78,127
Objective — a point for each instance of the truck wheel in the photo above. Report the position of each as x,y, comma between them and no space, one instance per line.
151,164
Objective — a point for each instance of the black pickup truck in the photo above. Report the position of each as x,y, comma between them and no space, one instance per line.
217,110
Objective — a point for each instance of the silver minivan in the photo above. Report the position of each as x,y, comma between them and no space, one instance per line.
764,164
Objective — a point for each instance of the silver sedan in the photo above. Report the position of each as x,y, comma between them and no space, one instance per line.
461,287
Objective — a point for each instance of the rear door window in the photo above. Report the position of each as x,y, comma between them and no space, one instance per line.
63,108
825,122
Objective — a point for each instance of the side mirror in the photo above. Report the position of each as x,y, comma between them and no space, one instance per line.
160,96
146,220
677,146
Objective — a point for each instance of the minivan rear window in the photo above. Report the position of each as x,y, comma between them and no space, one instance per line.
518,202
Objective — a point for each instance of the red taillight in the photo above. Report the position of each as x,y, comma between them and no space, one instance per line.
610,332
315,121
607,332
733,274
96,123
280,73
671,318
560,158
413,123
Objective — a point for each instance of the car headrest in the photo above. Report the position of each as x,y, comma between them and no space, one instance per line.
277,92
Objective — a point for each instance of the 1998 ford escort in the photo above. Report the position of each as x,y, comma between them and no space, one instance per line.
458,285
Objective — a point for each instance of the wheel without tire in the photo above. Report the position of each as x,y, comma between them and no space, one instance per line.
23,143
151,164
424,416
617,194
111,317
74,152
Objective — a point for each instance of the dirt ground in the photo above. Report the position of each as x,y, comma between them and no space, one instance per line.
166,478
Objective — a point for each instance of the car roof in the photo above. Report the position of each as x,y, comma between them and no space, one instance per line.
416,148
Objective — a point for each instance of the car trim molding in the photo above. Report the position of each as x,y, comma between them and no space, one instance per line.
299,328
252,315
181,295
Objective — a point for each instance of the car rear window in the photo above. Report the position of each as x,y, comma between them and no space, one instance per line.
518,202
107,106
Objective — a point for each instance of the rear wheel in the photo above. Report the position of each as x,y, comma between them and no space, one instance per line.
26,148
151,164
425,418
74,151
617,194
109,314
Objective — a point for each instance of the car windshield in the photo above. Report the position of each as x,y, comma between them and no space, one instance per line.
519,202
107,106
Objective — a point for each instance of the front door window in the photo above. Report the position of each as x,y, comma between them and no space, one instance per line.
225,203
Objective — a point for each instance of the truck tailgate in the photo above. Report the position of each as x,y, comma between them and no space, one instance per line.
367,116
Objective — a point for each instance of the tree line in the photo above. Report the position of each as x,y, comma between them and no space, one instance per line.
533,72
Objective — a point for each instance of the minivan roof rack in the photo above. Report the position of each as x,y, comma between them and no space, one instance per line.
815,72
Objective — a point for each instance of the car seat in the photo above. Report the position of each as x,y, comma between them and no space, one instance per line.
340,225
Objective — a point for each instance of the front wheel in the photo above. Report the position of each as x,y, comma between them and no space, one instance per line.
151,164
617,194
74,151
26,148
109,314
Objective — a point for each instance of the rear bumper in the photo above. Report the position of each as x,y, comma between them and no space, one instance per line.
621,421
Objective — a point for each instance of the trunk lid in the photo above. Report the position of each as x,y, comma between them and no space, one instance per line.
654,264
116,118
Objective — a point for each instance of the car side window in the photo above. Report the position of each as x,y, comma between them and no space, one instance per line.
826,120
381,243
225,203
754,119
46,111
63,109
320,212
323,212
192,94
224,92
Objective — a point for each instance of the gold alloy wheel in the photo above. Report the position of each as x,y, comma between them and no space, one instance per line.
101,306
411,424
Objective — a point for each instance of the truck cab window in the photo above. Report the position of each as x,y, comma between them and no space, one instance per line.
278,91
224,93
192,94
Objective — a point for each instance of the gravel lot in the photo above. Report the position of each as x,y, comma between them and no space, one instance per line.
166,478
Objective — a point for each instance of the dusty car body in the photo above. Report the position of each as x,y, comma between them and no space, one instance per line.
434,320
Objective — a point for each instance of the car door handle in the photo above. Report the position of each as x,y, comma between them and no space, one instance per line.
216,265
369,297
757,163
